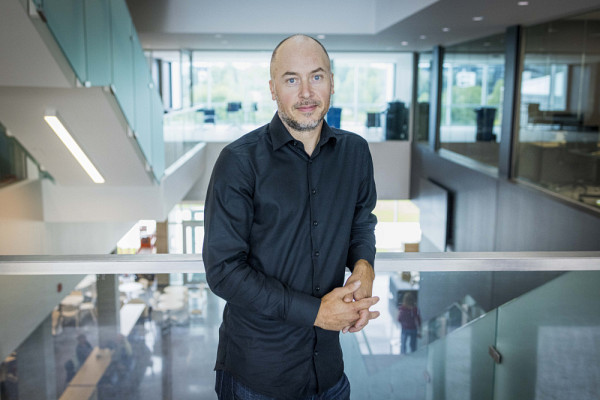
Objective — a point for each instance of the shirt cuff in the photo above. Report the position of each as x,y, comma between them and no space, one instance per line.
358,253
303,309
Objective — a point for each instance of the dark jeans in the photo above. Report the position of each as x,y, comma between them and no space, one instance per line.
228,388
406,335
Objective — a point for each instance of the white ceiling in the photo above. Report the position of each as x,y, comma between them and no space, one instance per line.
375,25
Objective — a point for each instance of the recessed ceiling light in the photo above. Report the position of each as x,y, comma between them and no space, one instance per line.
446,29
477,19
422,37
404,43
523,3
320,37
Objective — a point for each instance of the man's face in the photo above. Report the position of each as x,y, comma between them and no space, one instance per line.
301,83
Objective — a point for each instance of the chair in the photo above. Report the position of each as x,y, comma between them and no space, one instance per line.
334,117
89,307
209,116
373,120
68,311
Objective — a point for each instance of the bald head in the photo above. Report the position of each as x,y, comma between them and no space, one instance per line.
297,39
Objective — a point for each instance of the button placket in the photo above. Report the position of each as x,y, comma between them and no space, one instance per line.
313,221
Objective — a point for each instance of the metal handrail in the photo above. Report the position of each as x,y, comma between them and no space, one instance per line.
384,262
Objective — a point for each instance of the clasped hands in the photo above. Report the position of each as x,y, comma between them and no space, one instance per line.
346,308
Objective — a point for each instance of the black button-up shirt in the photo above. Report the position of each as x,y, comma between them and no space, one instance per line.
280,228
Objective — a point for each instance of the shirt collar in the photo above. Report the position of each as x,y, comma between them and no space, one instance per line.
280,135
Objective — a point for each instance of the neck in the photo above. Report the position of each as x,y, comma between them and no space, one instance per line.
308,138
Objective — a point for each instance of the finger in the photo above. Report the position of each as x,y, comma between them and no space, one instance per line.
362,321
349,289
366,303
346,329
348,298
357,327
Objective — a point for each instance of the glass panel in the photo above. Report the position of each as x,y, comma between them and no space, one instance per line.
143,100
549,339
154,335
158,141
365,90
66,22
122,59
372,358
181,133
97,42
421,126
186,78
559,118
13,160
473,83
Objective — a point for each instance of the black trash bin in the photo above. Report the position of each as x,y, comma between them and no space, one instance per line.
485,124
396,121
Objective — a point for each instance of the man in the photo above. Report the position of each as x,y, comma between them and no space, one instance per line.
289,206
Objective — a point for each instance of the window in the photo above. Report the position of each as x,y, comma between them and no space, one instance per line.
421,126
558,146
472,89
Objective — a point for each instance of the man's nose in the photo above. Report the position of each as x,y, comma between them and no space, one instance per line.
305,90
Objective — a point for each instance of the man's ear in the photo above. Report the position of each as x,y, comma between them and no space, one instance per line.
332,91
272,89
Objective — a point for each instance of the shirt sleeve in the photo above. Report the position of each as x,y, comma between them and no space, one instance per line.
362,236
228,216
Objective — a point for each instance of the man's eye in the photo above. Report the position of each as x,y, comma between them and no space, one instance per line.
292,80
318,77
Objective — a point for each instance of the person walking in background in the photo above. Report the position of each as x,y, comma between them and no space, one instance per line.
410,320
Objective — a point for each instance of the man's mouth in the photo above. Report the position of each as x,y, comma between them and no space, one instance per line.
305,108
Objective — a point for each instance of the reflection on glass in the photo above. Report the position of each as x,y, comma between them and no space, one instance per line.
163,342
13,160
421,125
471,114
560,109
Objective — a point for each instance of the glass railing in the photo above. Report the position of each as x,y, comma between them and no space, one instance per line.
101,45
183,129
16,164
453,317
120,327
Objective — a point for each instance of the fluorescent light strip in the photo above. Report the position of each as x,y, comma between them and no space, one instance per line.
73,147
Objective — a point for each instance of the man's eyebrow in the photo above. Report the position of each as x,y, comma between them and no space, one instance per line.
290,73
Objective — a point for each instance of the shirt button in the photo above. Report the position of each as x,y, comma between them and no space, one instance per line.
317,288
316,353
295,143
317,254
314,191
315,223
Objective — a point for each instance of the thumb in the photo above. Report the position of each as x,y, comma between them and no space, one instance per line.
349,289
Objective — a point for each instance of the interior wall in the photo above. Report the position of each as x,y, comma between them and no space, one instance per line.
492,214
474,194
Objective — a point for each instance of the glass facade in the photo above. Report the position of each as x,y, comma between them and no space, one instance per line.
558,135
471,113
